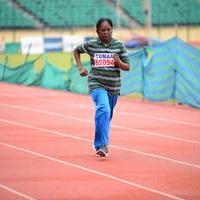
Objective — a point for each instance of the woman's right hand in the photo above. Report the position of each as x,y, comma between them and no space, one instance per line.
83,71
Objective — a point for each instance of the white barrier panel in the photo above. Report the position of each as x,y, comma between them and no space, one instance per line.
2,47
32,45
71,41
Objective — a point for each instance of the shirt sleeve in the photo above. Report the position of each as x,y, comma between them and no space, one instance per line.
82,48
124,54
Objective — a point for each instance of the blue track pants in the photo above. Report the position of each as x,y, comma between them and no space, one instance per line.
104,104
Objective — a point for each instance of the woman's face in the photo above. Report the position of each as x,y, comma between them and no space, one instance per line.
105,32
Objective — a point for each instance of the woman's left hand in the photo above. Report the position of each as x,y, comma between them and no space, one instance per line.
120,64
116,58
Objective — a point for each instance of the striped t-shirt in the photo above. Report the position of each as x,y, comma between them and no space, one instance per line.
104,73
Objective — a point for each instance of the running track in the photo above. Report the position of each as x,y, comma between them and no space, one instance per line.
46,149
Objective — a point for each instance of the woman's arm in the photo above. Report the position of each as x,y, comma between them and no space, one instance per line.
81,69
122,65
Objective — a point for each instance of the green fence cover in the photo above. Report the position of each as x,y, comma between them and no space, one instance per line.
132,81
52,77
77,83
12,47
24,74
172,72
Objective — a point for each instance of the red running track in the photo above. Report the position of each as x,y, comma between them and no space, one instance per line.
46,149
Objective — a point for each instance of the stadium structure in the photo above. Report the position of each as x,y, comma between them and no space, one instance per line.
153,18
162,36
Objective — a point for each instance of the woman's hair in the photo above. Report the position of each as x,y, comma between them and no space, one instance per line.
101,20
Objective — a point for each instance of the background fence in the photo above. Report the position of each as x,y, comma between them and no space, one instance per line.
168,70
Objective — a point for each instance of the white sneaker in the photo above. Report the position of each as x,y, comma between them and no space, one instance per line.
102,151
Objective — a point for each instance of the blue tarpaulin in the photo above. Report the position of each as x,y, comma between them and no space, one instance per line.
169,70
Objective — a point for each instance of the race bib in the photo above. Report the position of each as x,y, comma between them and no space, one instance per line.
104,60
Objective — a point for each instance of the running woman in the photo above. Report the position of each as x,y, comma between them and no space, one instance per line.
107,57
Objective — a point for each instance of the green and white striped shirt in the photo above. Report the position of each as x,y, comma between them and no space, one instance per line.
104,73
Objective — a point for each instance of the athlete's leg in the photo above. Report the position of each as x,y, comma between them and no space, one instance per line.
112,103
102,117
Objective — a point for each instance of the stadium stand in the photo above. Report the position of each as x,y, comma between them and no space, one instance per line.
165,71
12,17
165,12
83,13
71,13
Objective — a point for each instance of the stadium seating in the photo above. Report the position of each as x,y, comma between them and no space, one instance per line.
71,13
164,12
84,13
12,17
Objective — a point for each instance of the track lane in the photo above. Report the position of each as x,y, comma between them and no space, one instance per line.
61,126
155,176
131,140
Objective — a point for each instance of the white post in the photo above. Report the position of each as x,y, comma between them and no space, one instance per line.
117,14
148,18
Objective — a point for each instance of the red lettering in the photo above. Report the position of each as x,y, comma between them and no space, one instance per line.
104,62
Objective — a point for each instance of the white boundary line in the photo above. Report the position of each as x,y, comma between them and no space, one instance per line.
16,192
115,178
119,112
160,119
88,140
90,121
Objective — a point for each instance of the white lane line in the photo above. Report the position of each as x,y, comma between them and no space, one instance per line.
155,134
16,192
160,119
115,178
90,141
92,122
119,112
